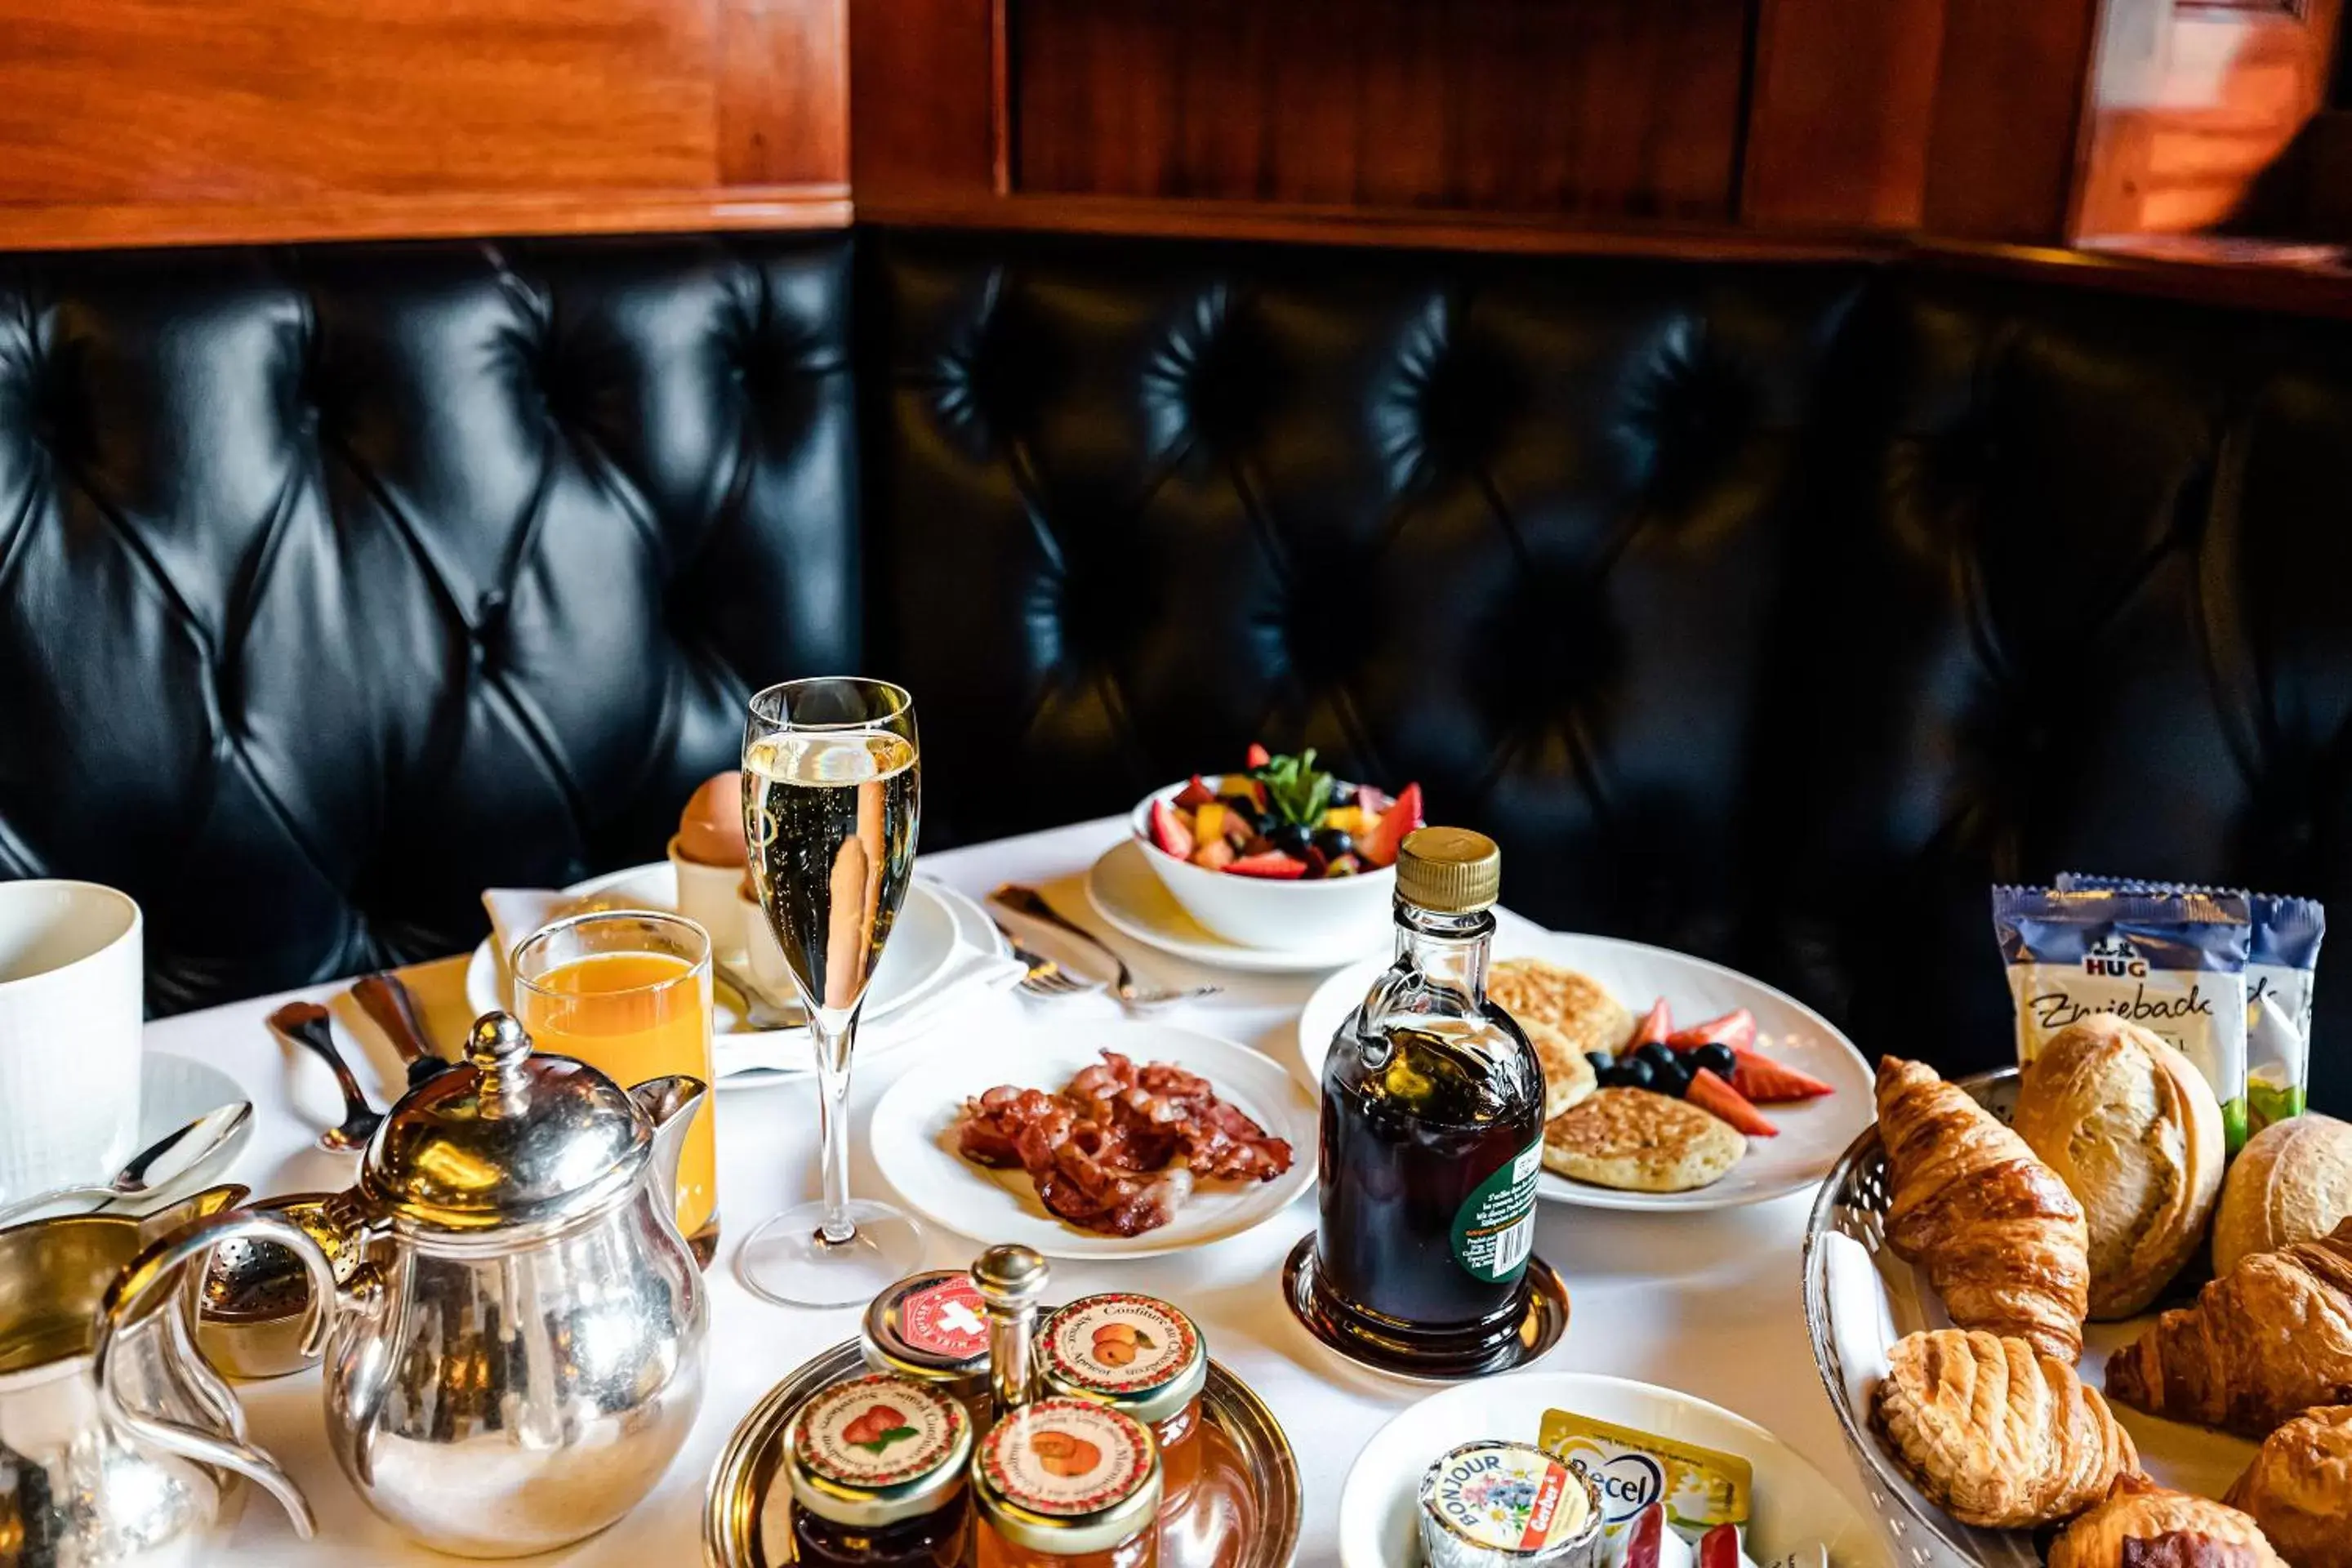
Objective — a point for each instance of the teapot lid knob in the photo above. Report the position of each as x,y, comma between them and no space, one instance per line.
496,1041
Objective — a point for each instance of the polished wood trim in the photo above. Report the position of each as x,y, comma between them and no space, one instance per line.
145,223
2008,129
1842,101
1354,226
2213,272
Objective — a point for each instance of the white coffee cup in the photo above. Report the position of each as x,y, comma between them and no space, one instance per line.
72,998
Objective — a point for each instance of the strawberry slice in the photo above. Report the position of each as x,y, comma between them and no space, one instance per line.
1258,756
1170,832
1195,795
1274,863
1655,1026
1736,1029
1380,846
1716,1097
1766,1081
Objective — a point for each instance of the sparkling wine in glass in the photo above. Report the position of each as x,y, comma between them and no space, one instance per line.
832,791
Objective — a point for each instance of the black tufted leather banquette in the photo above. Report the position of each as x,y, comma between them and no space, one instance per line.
1769,612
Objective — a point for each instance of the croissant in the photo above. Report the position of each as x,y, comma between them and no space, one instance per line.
2143,1525
2299,1488
2265,1341
1996,1432
2003,1240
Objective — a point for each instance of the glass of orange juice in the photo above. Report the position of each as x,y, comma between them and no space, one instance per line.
628,992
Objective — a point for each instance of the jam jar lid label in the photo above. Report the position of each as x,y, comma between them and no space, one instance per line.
1507,1495
1494,1229
1066,1458
1120,1344
944,1316
876,1431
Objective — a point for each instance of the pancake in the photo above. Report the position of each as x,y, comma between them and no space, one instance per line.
1638,1142
1568,1077
1578,1006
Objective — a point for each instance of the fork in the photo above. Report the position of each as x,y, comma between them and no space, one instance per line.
304,1024
1047,978
1031,903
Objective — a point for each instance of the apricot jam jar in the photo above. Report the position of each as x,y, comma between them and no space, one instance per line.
879,1472
1142,1357
1064,1483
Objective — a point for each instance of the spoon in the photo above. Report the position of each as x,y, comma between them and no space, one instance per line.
191,1144
305,1024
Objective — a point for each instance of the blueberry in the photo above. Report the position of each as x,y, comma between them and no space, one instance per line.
1656,1055
1601,1060
1717,1059
1635,1072
1334,842
1290,838
1672,1079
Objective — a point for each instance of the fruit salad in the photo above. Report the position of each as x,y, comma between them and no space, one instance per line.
1285,819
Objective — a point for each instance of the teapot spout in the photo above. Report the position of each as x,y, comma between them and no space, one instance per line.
671,1103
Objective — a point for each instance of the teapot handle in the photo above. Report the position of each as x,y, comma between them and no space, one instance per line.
149,1274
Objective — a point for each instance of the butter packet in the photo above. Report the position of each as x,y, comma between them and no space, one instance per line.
2172,962
1700,1488
2281,962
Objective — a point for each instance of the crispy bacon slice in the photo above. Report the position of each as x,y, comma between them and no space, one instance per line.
1119,1148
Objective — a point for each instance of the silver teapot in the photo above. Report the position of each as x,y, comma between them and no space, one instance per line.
520,1354
76,1488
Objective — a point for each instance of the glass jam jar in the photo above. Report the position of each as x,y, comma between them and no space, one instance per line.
1064,1483
932,1328
1138,1355
878,1469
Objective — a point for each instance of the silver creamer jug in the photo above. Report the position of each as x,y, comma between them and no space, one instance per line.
520,1355
76,1488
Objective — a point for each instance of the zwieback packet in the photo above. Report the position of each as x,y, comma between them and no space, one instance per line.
2173,963
2282,967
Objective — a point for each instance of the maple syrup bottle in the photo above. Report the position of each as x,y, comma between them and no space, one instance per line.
1431,1136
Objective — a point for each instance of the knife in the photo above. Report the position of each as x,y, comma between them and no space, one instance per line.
388,1002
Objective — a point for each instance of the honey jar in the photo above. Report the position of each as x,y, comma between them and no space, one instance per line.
1065,1483
1138,1355
932,1328
879,1471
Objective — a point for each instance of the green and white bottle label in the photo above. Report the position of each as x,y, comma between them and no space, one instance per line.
1494,1229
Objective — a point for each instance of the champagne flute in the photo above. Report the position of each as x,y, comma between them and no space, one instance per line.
833,790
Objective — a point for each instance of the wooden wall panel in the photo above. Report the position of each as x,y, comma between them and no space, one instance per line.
2006,143
1587,108
156,120
1844,98
924,87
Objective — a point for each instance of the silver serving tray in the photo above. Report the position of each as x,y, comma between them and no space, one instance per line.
1853,1200
738,1499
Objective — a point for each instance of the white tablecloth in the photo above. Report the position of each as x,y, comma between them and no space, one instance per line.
1706,1303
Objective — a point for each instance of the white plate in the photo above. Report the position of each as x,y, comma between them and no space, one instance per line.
172,1092
933,925
1813,1134
1124,890
1794,1504
914,1143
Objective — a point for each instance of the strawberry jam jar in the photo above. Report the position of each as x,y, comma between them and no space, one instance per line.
1064,1483
878,1469
1142,1357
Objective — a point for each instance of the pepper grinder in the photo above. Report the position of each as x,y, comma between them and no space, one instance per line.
1012,1282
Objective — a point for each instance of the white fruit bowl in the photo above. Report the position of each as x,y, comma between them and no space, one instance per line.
1347,916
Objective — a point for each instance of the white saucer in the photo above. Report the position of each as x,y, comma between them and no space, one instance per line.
914,1145
934,926
1133,902
1794,1504
172,1092
1813,1132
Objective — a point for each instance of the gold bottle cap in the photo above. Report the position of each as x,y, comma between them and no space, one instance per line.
1067,1478
1450,869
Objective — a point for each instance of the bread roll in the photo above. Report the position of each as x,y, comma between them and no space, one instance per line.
2133,1130
2299,1488
2293,1182
2143,1525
